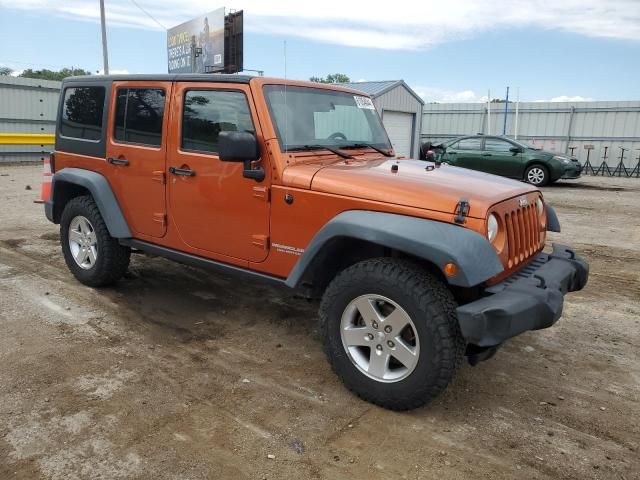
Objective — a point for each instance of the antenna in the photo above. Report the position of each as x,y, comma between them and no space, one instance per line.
286,109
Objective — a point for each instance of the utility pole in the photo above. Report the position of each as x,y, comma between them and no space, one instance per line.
506,111
488,112
105,53
517,108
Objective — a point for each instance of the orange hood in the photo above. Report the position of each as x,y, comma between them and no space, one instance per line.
412,185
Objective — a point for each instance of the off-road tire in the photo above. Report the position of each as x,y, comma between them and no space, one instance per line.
543,169
431,307
112,259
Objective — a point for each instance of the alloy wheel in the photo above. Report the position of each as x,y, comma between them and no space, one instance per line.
83,242
535,176
380,338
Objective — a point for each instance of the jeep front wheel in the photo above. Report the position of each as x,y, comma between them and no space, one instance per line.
93,256
391,333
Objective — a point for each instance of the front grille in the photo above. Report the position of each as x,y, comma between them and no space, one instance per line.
522,226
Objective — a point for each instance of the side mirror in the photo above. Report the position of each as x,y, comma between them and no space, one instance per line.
515,150
241,147
238,147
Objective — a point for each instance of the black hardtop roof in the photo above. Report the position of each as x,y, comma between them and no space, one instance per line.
162,77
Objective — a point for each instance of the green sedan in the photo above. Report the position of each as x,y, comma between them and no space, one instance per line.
508,158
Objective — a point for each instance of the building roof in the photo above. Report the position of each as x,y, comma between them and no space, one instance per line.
8,81
375,89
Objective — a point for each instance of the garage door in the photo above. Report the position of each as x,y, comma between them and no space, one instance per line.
399,126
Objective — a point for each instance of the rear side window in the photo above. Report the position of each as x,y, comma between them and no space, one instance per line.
469,144
138,116
206,113
82,113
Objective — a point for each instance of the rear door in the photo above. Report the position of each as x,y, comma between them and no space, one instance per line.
500,159
136,151
466,153
214,207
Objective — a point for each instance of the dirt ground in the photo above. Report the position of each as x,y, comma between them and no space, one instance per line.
180,373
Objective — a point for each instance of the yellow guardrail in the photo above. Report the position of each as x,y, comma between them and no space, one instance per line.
27,139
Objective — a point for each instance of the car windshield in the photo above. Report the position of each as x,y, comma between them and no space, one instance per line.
525,144
307,117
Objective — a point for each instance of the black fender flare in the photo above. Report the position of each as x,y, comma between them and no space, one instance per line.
553,224
437,242
101,192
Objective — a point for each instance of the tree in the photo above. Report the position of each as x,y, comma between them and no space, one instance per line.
332,78
45,74
5,71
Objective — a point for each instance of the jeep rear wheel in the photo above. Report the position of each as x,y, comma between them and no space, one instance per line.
93,256
391,333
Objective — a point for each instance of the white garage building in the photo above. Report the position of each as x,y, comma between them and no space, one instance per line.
401,112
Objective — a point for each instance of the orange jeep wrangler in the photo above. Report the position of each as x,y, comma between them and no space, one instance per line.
417,264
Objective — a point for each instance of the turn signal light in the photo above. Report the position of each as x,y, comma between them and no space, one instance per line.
451,269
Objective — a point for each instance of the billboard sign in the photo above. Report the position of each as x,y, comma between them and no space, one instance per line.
197,46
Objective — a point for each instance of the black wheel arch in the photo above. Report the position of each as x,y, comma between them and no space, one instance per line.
356,235
69,183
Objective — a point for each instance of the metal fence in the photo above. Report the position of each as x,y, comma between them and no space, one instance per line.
604,136
27,115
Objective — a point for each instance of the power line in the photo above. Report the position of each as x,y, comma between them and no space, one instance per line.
148,14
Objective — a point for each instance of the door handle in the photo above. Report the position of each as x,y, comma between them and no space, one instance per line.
118,161
182,171
452,153
486,155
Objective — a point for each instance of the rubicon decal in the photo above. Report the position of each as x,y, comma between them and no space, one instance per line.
287,249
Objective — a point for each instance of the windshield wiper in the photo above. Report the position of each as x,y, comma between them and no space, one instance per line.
365,145
307,148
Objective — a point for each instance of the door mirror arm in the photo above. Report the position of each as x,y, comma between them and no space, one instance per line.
257,173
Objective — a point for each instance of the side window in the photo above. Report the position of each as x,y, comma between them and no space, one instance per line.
469,144
206,113
138,116
453,146
82,113
497,145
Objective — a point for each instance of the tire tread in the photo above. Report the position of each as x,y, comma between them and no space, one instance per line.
433,298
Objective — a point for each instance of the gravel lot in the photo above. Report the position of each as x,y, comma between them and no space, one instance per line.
183,373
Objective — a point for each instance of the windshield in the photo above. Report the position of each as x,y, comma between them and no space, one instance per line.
525,145
305,116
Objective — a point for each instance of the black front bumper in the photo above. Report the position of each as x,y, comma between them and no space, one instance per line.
530,299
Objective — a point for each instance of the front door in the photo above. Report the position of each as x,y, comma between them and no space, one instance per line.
215,209
136,149
500,159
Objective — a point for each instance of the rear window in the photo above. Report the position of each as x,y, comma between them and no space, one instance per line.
469,144
138,116
82,113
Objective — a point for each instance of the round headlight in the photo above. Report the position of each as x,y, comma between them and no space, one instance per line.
492,227
539,206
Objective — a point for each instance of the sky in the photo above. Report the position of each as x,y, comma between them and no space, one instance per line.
447,51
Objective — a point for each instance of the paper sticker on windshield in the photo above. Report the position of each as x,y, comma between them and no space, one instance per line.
364,102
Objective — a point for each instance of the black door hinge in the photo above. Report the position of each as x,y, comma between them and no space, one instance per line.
461,211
